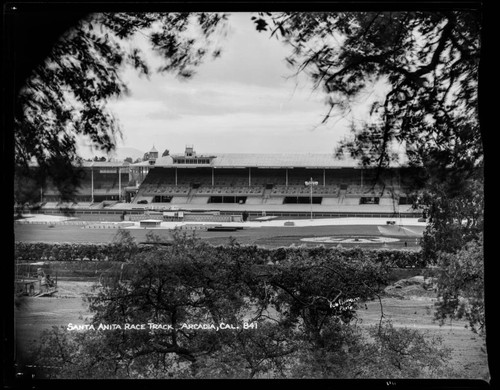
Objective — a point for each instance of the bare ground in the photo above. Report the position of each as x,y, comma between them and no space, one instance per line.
468,351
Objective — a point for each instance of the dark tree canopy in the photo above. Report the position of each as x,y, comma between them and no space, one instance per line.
428,60
301,313
64,99
428,63
461,290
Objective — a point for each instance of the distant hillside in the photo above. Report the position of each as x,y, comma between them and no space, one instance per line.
122,153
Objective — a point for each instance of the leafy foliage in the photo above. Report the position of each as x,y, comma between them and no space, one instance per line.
124,244
26,188
300,312
408,351
427,63
461,286
456,215
65,98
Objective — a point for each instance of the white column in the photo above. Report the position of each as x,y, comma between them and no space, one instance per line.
92,183
249,176
286,176
213,177
119,184
311,199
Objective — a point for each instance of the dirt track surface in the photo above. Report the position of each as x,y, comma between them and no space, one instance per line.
270,237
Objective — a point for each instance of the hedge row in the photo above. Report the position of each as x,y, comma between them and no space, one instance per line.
123,252
391,257
40,251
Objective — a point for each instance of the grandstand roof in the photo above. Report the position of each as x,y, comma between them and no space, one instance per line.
105,164
259,160
96,164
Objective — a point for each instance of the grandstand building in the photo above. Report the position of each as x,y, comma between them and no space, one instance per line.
101,181
272,184
268,182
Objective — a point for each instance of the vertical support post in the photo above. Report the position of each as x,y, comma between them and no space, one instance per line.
92,183
311,200
311,183
119,184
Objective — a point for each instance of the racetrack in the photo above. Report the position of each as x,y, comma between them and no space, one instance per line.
348,232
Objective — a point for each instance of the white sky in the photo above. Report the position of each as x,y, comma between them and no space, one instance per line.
241,102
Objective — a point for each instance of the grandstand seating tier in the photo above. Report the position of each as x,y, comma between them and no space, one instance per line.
195,185
231,190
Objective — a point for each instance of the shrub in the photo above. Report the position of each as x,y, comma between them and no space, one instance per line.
124,251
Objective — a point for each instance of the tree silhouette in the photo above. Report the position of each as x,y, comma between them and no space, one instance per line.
428,63
300,312
65,96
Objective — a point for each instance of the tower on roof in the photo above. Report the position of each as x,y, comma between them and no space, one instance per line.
190,151
190,157
152,155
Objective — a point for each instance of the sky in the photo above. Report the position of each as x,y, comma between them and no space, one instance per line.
246,101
